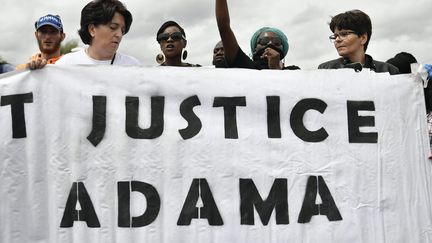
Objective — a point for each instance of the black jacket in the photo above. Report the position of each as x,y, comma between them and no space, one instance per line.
376,66
243,61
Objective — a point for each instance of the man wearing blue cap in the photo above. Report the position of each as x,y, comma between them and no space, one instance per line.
49,35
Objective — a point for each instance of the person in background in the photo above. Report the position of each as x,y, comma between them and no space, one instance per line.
172,41
352,31
5,67
428,101
269,46
49,35
219,56
103,25
428,68
402,61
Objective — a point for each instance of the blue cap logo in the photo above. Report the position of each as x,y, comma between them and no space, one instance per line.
53,20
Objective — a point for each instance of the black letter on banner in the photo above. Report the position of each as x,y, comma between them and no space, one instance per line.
99,120
273,117
296,120
328,206
355,122
229,104
17,109
208,211
157,118
194,123
87,212
277,198
153,204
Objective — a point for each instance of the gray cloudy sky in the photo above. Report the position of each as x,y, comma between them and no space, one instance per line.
398,25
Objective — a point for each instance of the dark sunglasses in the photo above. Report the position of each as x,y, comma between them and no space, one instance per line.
175,36
277,41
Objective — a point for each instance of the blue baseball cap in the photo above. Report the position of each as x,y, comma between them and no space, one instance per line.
53,20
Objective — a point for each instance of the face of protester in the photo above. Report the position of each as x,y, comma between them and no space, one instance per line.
49,39
106,38
348,44
266,38
218,53
172,45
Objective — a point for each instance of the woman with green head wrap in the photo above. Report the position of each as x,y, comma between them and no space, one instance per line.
269,46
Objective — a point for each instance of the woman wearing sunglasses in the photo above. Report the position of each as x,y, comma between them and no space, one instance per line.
103,25
269,46
352,31
172,40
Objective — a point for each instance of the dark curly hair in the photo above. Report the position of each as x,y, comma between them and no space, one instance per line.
101,12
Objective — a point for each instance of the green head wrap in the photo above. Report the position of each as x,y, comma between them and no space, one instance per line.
254,39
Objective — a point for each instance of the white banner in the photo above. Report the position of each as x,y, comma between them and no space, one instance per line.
130,154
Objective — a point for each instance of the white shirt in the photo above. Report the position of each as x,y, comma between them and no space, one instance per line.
81,57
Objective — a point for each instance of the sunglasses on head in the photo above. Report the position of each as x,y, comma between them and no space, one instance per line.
277,41
175,36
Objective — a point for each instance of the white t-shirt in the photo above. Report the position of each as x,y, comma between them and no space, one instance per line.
81,57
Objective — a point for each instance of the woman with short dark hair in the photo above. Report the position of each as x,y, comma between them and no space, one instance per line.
352,31
172,41
103,25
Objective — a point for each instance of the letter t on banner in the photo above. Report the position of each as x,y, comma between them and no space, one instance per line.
17,109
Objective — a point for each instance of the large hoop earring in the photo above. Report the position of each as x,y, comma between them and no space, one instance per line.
160,58
184,56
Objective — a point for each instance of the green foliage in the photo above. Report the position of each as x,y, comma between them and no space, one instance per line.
68,46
